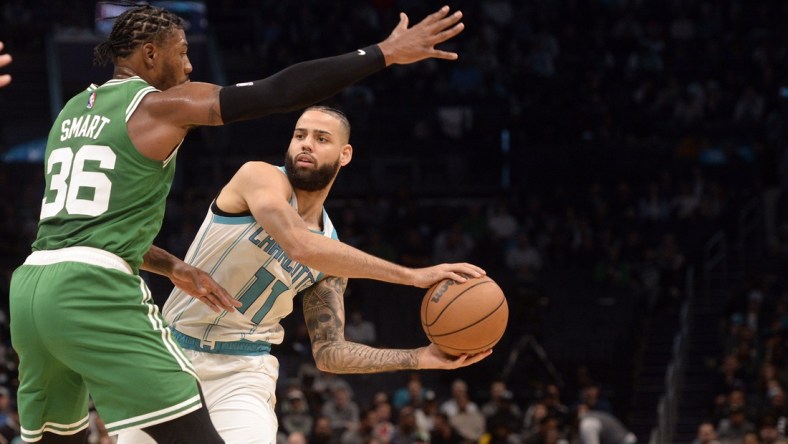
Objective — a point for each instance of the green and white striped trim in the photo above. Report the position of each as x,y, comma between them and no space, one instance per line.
156,321
53,427
124,80
157,417
137,99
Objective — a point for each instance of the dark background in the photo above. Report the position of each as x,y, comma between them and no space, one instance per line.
628,142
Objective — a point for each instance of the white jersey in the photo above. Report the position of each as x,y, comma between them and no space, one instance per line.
242,257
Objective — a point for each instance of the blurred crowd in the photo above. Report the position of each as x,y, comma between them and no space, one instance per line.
751,376
638,129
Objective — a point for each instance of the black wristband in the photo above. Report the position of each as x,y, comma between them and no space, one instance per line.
298,86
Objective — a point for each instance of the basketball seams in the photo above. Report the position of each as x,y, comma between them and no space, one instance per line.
465,337
425,305
497,307
448,304
466,350
487,346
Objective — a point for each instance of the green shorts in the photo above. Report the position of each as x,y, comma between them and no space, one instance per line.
84,330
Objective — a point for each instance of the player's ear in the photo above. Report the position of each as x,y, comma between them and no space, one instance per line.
149,53
346,155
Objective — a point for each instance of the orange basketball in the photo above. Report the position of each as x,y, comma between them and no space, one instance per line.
467,317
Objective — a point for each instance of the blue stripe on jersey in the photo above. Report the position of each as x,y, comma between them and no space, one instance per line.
233,220
238,348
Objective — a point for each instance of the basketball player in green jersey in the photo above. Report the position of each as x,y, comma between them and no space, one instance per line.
265,239
82,319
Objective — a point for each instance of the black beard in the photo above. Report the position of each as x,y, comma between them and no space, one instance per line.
313,180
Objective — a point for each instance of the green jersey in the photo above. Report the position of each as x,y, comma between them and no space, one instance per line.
100,191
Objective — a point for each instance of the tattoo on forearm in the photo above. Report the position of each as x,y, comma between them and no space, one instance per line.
324,312
350,357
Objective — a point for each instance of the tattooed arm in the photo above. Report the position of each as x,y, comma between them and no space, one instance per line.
324,313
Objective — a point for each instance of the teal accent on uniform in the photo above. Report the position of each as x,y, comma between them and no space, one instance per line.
237,220
262,280
236,348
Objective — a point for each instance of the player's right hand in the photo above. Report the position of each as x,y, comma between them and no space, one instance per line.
460,272
431,357
201,286
409,45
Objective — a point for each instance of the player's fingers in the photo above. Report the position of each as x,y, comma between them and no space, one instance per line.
225,303
200,288
220,292
403,22
445,55
229,302
449,362
211,303
479,270
477,357
456,277
470,270
5,79
223,299
448,33
446,22
436,16
5,59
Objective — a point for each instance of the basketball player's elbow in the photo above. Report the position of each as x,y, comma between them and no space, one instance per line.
323,365
299,249
323,352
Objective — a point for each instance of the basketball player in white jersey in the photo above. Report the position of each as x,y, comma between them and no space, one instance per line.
266,238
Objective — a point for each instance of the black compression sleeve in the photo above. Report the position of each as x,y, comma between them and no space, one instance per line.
298,86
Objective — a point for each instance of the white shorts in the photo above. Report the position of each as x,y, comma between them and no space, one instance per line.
240,394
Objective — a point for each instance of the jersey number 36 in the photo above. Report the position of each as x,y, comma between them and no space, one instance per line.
72,177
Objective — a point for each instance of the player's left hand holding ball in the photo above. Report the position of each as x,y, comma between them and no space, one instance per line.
431,357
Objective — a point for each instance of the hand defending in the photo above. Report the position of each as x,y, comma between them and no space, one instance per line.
431,357
200,285
427,277
409,45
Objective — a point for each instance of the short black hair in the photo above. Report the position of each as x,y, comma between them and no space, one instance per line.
343,120
134,27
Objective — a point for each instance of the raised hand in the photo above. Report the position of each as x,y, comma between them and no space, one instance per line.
409,45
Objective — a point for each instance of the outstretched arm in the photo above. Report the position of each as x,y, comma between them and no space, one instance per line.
265,191
324,313
309,82
163,119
